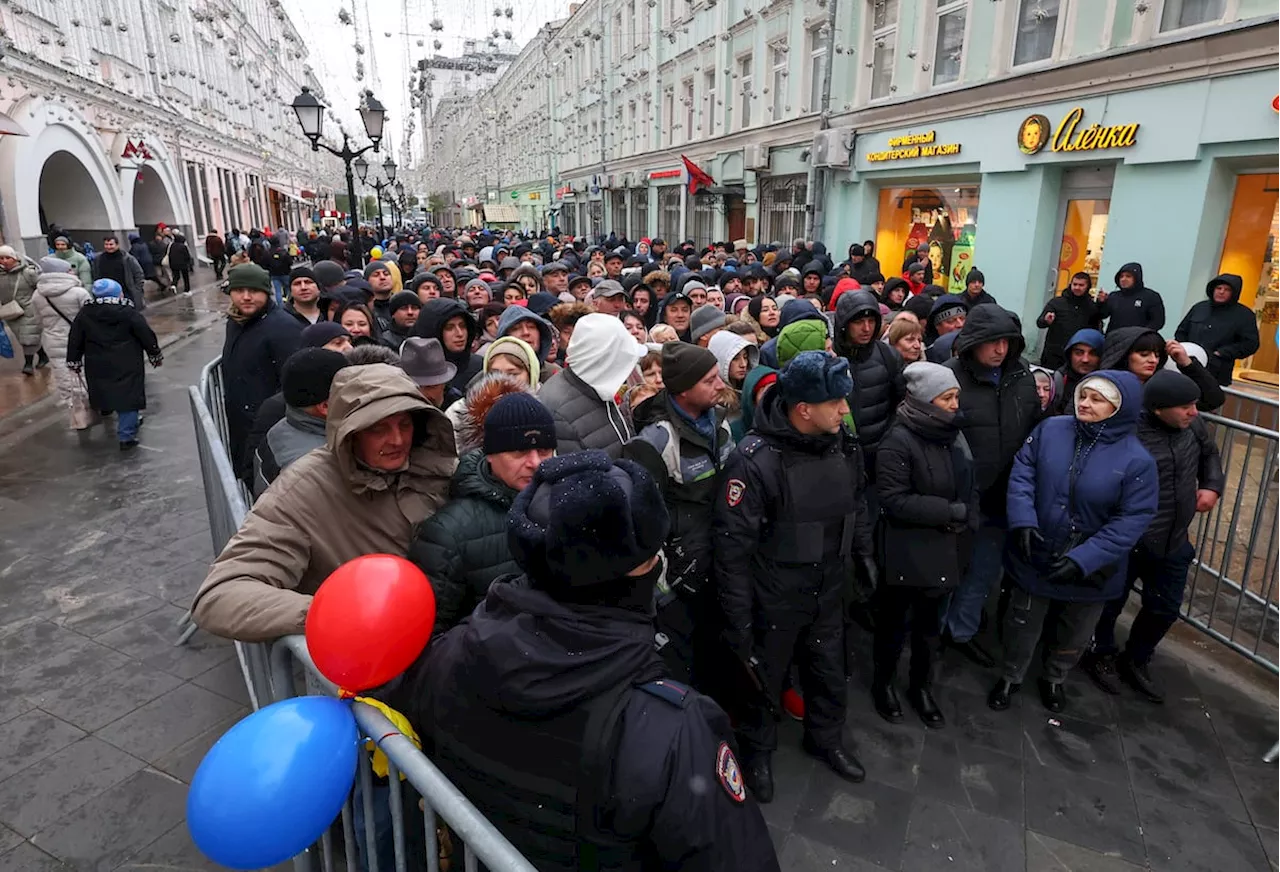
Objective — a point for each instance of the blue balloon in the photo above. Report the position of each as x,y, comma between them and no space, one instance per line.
271,786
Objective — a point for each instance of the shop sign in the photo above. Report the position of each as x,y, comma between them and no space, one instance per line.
535,195
666,174
913,145
1034,135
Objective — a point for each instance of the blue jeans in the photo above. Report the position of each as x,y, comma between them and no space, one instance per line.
278,285
127,426
964,612
1164,578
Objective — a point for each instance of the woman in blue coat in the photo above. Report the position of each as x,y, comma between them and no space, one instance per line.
1082,492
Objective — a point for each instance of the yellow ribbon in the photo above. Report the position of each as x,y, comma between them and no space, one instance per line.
402,725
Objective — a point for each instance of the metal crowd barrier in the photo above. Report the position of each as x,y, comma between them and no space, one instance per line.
268,672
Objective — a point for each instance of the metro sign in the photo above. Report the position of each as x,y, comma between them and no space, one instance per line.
136,151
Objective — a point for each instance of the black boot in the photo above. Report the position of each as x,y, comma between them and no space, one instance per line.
842,763
1052,696
973,651
1138,676
27,367
999,697
758,775
42,359
926,707
885,698
1102,669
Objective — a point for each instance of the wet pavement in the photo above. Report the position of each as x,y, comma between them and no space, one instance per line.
103,721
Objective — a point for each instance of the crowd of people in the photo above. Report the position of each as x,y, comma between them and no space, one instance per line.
659,491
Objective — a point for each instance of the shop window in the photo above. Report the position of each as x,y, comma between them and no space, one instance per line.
1188,13
1251,250
1084,233
669,213
1037,31
700,218
946,218
949,41
884,41
639,213
618,212
596,213
783,202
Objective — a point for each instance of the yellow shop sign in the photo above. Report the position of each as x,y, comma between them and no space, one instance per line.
1034,134
913,145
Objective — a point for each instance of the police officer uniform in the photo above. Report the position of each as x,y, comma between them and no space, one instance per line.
548,709
789,528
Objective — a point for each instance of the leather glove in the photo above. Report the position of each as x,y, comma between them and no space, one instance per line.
866,573
76,367
1064,571
1027,539
157,360
959,513
739,642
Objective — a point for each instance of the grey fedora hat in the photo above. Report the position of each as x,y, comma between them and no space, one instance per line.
423,360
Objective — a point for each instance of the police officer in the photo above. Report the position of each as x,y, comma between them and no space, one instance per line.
683,440
789,531
548,709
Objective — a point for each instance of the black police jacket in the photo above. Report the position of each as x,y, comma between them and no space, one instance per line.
554,720
790,516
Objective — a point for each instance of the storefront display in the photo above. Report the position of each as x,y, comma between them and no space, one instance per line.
945,218
1251,250
1084,233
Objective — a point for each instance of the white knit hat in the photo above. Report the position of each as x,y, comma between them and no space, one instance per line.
1102,385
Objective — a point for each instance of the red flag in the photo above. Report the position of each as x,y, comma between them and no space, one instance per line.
696,176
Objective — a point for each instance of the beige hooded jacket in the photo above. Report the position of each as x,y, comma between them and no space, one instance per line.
326,509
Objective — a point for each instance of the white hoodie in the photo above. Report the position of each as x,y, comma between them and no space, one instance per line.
603,354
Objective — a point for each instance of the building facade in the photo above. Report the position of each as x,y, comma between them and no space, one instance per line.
1089,133
120,115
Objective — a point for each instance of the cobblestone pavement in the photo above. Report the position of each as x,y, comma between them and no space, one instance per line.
103,721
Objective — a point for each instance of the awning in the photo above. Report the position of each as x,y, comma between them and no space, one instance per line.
10,127
284,192
502,213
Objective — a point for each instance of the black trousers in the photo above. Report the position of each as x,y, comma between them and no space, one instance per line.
182,277
814,643
897,608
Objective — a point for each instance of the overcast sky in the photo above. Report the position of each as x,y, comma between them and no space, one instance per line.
333,57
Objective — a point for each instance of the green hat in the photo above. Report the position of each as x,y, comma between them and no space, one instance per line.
248,276
807,335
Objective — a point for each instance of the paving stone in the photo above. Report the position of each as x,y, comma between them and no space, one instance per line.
941,836
1094,814
12,705
8,839
95,612
1047,854
183,760
1075,746
971,776
1195,776
36,797
1181,840
226,679
1270,839
972,722
30,738
1257,783
792,772
151,638
94,705
867,820
177,587
172,851
115,825
798,854
28,858
890,752
153,730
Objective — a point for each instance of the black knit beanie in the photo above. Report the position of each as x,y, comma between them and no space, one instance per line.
402,299
518,422
301,272
684,365
1169,388
308,374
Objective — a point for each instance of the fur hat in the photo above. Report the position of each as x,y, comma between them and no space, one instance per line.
815,377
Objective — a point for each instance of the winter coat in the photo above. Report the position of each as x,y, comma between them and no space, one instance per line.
998,408
58,293
1226,331
142,254
1096,523
19,284
123,268
982,299
1137,307
287,440
278,261
1187,460
923,468
180,259
1071,314
878,385
159,248
253,356
214,246
435,314
1115,355
512,315
743,425
111,336
326,509
582,419
463,547
79,264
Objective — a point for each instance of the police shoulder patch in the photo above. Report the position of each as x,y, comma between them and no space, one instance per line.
734,491
729,773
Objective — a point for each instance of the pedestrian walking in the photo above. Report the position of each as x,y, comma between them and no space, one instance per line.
159,248
216,250
19,275
549,704
79,263
58,300
123,269
180,263
107,341
1082,491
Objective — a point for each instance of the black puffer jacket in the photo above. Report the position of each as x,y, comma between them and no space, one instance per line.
923,468
1071,313
1115,355
1187,461
1226,331
463,547
1137,307
582,419
878,385
253,356
998,408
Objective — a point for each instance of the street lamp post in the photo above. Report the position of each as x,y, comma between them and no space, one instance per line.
310,113
389,169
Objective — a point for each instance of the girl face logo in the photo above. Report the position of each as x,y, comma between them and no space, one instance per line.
1033,135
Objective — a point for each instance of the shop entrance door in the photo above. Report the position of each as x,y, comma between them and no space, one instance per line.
735,208
1082,224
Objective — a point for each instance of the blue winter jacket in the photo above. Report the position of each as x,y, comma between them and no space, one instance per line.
1116,491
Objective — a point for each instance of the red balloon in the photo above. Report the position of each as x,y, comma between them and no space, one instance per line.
369,620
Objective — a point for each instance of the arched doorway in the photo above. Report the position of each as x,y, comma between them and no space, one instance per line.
69,198
151,202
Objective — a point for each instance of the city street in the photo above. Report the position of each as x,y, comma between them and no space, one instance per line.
103,721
